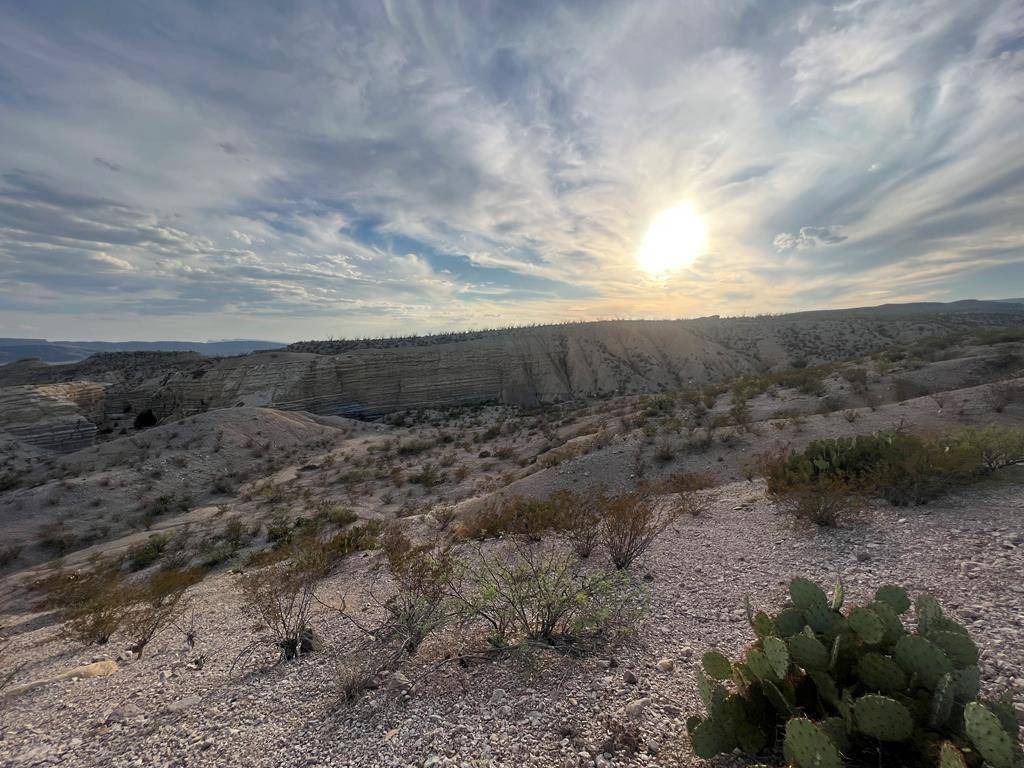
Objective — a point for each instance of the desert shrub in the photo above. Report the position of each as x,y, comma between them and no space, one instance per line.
428,476
155,605
56,538
665,450
92,604
279,529
279,599
821,687
413,447
685,482
579,517
358,538
996,447
856,377
898,466
144,555
515,515
335,514
419,604
537,592
630,523
824,503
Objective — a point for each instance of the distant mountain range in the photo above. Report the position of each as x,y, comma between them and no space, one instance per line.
73,351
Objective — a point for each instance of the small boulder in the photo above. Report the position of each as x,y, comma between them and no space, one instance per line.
182,705
636,708
666,665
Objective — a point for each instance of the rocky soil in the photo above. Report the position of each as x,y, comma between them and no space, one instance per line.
540,708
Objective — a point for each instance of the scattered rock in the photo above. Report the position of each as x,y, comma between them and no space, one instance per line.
636,707
181,705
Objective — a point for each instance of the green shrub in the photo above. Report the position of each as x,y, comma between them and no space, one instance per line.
898,466
536,592
279,529
821,688
996,447
144,555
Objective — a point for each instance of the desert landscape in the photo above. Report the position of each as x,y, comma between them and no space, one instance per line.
535,384
514,548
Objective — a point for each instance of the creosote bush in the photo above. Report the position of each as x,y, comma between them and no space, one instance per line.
279,599
630,523
155,605
537,592
823,688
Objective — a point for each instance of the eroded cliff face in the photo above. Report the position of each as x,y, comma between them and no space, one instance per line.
525,368
54,417
517,367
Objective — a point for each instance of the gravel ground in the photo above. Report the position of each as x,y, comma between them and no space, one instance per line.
537,709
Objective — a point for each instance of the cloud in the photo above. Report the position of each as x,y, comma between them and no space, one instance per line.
110,166
809,237
356,168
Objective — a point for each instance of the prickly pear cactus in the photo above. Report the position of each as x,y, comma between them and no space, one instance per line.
989,737
826,686
883,718
809,745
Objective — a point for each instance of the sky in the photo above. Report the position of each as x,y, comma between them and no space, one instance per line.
295,170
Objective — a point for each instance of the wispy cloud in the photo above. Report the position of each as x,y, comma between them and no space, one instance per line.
307,170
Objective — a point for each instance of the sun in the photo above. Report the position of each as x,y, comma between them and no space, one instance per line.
674,240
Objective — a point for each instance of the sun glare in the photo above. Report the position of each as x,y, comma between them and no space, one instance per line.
674,239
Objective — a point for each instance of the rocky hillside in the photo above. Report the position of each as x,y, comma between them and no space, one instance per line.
525,366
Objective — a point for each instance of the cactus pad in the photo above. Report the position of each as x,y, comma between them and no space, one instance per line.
880,673
866,624
809,746
942,701
822,619
883,718
751,738
890,621
960,649
762,624
716,665
987,735
789,622
778,656
806,594
708,739
927,610
922,658
835,727
760,666
808,652
895,597
967,682
826,686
